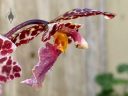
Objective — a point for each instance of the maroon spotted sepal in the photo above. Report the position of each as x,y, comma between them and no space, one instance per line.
75,13
26,31
27,34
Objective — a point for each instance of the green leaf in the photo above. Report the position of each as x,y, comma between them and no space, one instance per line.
120,81
105,80
123,68
105,93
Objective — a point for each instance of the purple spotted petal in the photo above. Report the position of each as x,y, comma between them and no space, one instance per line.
9,68
47,57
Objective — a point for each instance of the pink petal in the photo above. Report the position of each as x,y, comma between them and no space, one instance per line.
47,57
75,13
78,39
9,68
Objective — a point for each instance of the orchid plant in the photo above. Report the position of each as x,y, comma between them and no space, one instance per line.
62,34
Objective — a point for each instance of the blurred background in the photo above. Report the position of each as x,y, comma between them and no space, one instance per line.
75,71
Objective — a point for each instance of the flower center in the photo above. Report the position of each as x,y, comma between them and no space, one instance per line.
61,41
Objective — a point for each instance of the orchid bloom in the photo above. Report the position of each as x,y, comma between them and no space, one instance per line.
61,33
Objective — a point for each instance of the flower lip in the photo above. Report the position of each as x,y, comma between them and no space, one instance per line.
47,57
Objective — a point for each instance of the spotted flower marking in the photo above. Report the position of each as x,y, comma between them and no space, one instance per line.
61,33
27,35
9,68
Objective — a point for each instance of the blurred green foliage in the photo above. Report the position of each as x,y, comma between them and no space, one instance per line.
123,68
107,82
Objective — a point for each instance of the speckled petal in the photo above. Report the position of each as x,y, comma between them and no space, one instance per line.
26,35
76,13
9,68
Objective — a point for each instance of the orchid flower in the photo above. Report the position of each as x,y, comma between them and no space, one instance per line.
62,34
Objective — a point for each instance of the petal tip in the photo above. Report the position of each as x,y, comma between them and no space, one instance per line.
82,45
